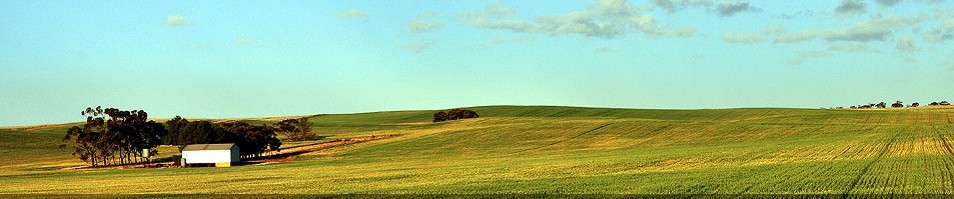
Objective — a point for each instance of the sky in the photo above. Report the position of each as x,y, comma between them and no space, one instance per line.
224,59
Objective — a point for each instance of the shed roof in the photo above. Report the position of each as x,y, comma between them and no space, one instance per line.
203,147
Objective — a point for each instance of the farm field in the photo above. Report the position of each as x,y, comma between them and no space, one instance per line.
551,150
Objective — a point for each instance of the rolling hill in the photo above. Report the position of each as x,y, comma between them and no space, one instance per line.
553,150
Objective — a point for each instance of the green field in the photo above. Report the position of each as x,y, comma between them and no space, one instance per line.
516,149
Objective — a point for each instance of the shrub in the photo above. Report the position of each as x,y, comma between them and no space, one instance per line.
454,114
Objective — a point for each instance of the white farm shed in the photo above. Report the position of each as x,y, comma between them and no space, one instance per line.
222,155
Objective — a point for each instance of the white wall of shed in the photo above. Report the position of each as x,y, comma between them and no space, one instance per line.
209,156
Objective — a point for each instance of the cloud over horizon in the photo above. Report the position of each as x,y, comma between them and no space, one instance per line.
418,46
741,38
423,24
849,46
177,20
878,29
606,19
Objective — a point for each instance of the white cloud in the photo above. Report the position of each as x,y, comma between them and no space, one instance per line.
422,24
351,14
888,3
724,8
647,25
490,19
605,19
177,20
728,9
418,46
676,5
873,30
929,1
774,29
799,14
936,36
949,23
742,38
850,7
906,44
851,46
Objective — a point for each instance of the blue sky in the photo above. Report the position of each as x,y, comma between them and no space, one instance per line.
217,59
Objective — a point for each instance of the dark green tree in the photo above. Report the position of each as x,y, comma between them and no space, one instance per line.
112,135
295,129
173,127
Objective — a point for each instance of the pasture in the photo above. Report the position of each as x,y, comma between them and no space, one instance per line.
552,150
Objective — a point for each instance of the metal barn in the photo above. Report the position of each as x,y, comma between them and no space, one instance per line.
222,155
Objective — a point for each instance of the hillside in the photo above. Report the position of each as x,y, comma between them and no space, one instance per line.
519,149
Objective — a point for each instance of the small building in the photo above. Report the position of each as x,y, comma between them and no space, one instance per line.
222,155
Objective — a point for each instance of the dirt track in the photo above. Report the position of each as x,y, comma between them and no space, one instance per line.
319,146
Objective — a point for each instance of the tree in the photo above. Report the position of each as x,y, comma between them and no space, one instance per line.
898,104
915,104
83,143
203,132
253,140
173,127
124,134
440,116
296,129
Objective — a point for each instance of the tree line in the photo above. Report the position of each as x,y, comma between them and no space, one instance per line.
897,104
111,136
454,114
252,140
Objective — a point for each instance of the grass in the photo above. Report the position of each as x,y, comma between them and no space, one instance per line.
514,149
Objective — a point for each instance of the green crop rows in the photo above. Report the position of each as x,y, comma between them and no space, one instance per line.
513,149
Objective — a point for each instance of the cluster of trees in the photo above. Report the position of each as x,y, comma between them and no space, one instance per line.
942,103
112,136
252,140
454,114
897,104
296,129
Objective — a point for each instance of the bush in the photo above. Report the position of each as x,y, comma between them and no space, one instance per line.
454,114
440,116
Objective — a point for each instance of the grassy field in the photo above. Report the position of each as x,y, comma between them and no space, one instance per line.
514,149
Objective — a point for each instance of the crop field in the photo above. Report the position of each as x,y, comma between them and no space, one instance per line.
552,150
